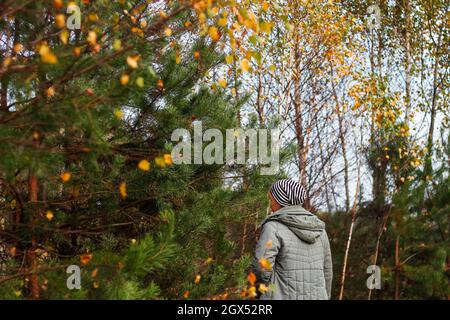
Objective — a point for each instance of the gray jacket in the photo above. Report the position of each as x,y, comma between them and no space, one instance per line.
295,243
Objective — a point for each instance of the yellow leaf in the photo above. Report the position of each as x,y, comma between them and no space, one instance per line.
46,55
6,62
117,44
269,244
50,92
60,20
76,51
96,285
144,165
245,65
265,6
209,260
132,61
168,32
58,4
65,176
168,159
222,22
92,17
162,14
272,68
197,55
229,59
252,291
186,294
118,114
265,264
124,79
138,31
64,36
214,33
222,83
197,279
266,27
214,11
49,215
263,288
159,161
18,48
92,38
177,57
140,82
94,273
123,189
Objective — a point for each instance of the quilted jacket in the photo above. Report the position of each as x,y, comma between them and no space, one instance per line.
296,246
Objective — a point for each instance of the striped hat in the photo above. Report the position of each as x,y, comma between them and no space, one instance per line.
288,192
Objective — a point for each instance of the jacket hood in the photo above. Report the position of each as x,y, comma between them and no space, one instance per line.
305,225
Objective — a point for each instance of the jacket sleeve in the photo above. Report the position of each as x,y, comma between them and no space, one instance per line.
328,265
267,247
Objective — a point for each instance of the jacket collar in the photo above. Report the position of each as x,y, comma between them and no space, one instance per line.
294,210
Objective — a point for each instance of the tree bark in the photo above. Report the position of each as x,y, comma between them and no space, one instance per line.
33,284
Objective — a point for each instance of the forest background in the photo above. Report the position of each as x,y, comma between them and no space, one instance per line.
91,91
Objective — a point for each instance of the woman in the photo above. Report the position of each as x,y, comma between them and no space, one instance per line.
293,252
